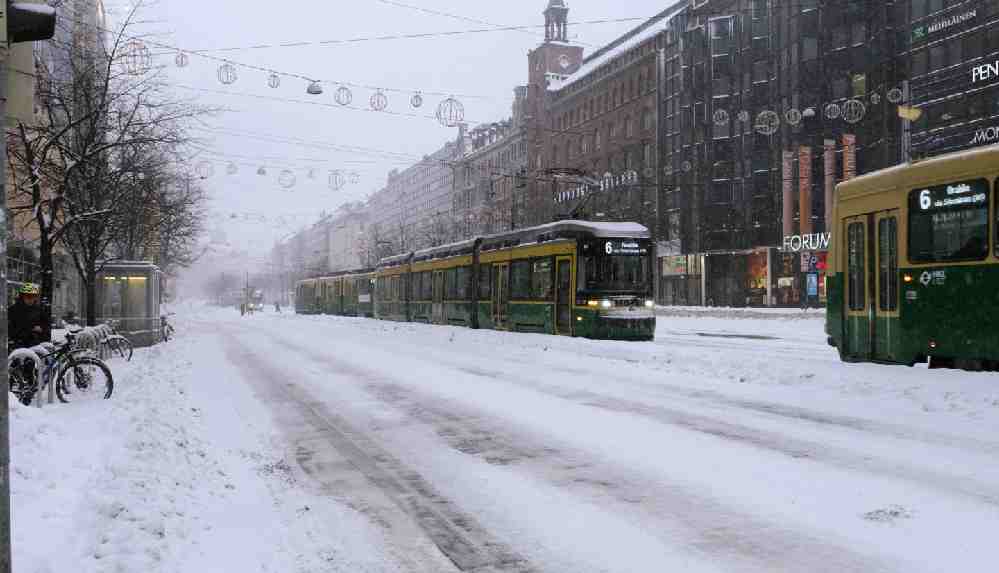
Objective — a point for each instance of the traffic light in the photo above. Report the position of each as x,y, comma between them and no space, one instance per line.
27,22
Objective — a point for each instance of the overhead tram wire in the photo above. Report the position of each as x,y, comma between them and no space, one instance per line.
175,50
323,146
410,36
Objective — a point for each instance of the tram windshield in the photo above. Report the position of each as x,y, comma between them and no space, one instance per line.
614,273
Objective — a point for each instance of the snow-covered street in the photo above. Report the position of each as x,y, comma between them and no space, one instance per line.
736,441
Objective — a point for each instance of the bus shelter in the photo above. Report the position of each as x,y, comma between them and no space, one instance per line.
129,293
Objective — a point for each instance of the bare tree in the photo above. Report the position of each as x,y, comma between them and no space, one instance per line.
102,122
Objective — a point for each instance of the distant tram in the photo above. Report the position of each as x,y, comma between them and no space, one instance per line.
572,278
914,264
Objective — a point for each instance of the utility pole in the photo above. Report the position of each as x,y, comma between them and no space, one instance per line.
19,22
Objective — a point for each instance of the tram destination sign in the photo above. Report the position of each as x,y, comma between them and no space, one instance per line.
968,193
626,247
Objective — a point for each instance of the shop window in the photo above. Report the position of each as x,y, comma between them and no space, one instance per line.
541,279
520,280
949,222
888,264
856,266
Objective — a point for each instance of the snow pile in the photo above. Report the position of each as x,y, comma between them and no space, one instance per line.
169,475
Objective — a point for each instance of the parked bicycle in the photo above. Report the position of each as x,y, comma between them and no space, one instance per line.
166,329
78,374
117,344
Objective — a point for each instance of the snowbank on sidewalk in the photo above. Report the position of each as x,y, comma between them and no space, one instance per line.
169,476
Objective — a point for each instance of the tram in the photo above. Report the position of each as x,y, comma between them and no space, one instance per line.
572,278
914,264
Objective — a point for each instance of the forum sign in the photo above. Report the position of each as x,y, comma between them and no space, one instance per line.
811,242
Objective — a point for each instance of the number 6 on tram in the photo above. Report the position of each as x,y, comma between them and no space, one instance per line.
914,270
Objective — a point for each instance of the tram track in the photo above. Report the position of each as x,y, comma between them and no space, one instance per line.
333,453
763,439
718,530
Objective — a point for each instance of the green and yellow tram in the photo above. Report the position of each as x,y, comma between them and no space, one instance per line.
573,278
914,264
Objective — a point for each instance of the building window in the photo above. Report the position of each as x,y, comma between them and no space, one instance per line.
596,140
647,122
809,49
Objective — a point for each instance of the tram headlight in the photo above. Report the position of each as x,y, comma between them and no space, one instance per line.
650,303
907,278
593,303
605,304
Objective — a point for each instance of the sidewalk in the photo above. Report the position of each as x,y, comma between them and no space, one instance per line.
744,313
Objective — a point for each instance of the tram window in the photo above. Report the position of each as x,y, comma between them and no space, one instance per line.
485,281
461,283
541,279
888,264
520,280
856,265
394,295
949,222
449,285
426,285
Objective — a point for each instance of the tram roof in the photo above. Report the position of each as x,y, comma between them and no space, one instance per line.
954,165
569,229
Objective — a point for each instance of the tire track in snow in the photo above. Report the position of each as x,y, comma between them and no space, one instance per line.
719,531
469,546
763,439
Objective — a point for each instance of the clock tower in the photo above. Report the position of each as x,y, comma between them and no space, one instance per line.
549,63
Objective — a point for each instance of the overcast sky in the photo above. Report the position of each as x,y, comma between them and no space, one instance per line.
481,69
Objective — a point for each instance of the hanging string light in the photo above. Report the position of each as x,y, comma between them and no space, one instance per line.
273,81
227,74
287,179
854,111
137,58
378,101
833,111
336,180
767,122
416,101
205,169
450,112
792,116
343,96
181,60
315,88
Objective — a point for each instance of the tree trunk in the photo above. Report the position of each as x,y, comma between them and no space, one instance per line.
48,283
90,285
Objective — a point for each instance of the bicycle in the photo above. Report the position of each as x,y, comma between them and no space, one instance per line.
80,373
117,343
166,329
75,371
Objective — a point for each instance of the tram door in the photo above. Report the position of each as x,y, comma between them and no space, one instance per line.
871,286
501,295
563,296
438,302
